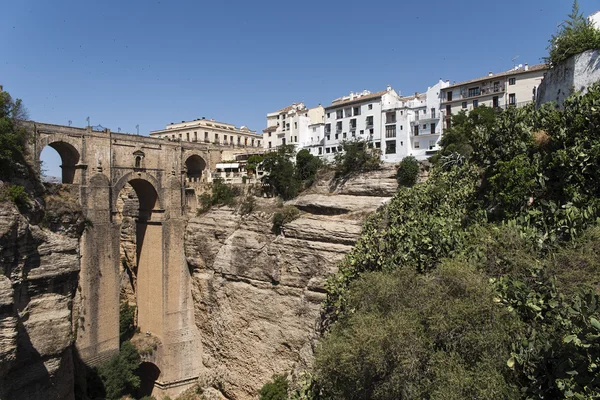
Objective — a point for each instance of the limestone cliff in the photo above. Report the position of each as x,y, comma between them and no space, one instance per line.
257,295
40,265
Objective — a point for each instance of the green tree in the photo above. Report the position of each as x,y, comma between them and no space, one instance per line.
356,156
307,165
119,373
12,137
126,321
408,171
575,35
281,172
253,162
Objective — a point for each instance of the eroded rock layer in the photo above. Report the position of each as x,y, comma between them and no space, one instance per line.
257,295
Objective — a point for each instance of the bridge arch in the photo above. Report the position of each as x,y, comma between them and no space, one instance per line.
67,149
195,166
145,186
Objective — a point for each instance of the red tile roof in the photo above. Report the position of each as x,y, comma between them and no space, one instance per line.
357,99
533,68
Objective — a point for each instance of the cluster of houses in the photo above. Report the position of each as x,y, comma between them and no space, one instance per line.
398,125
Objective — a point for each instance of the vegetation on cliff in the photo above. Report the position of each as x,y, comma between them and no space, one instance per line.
483,281
575,35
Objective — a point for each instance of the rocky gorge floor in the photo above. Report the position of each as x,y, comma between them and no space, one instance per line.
258,295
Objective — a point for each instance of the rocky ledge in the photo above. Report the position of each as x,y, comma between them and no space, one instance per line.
257,295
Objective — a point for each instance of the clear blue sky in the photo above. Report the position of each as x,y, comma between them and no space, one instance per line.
151,62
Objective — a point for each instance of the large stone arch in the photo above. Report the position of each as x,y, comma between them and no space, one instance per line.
146,187
69,150
195,165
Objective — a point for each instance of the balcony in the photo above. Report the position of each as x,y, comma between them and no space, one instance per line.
485,91
369,124
390,120
338,129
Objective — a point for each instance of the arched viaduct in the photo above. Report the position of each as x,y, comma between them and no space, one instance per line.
102,163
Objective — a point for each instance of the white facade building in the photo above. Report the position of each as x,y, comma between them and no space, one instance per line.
290,125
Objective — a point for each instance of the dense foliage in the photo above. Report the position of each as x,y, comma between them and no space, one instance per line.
221,194
286,177
483,281
356,156
253,162
118,374
286,215
126,321
12,136
575,35
408,171
275,390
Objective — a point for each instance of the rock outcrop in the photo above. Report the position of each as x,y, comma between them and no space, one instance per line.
258,296
40,266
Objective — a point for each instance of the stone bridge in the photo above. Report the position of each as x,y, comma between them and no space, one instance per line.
102,163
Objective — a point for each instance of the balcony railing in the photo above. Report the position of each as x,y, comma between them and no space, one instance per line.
390,120
369,123
483,92
338,129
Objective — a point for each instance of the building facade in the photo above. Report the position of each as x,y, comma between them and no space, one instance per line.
290,125
516,87
210,131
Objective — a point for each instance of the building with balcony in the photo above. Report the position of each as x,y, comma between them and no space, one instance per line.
210,131
411,125
353,117
514,88
290,125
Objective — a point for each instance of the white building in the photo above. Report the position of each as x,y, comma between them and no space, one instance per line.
290,125
595,19
210,131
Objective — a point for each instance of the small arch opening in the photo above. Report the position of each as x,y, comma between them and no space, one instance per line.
148,373
195,166
138,161
58,161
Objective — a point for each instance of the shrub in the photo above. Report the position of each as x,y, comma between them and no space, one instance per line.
286,215
275,390
222,195
18,195
408,171
118,373
253,162
126,321
247,205
356,156
575,35
12,136
281,172
307,165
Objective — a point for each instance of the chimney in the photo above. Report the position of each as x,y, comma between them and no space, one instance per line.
203,117
526,67
490,73
389,88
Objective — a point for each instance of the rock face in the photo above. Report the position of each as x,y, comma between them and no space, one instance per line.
40,266
258,296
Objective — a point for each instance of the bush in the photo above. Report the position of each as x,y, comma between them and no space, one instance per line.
356,156
275,390
575,35
12,137
118,374
126,321
287,215
18,195
408,171
307,165
247,205
222,195
281,172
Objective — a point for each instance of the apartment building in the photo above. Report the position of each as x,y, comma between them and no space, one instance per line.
353,117
411,125
210,131
516,87
290,125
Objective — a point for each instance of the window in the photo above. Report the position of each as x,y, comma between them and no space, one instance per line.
464,104
448,109
390,118
327,128
424,126
432,128
390,147
370,121
512,81
476,91
378,145
371,132
353,123
269,144
320,150
362,132
344,135
512,99
370,106
416,131
416,144
295,125
449,96
328,137
390,131
187,136
431,144
258,144
348,112
269,136
401,112
433,113
337,135
225,138
328,115
327,150
475,103
356,111
401,127
496,86
334,149
195,136
138,161
252,142
314,129
295,138
401,143
339,114
338,127
206,136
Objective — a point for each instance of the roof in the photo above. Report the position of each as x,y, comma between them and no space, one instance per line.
288,108
533,68
356,99
270,129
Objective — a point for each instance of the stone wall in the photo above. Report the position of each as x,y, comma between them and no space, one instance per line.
576,74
